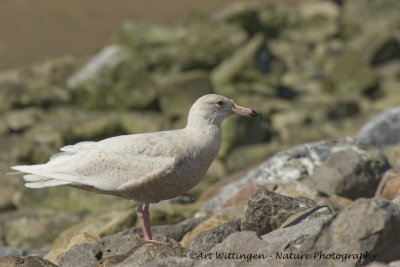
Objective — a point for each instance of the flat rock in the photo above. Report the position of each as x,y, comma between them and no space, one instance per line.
350,173
266,211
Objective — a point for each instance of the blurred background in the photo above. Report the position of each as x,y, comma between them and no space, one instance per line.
73,70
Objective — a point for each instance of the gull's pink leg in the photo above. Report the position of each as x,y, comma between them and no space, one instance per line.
144,219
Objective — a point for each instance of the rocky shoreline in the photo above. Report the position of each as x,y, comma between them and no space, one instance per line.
314,181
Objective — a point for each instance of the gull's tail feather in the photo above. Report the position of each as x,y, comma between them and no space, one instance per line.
45,183
36,180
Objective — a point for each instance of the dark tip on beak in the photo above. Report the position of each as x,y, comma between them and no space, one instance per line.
253,113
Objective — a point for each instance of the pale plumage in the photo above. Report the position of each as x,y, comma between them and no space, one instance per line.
144,167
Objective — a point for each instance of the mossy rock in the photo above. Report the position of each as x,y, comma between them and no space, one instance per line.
32,228
187,45
127,86
178,92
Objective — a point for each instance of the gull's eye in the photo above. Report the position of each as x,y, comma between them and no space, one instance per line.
220,103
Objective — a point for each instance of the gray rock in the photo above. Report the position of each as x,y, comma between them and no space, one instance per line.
148,252
381,264
25,261
237,250
284,167
266,210
351,173
206,240
115,248
381,132
369,225
282,238
88,254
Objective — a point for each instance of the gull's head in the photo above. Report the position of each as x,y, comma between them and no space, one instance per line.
215,108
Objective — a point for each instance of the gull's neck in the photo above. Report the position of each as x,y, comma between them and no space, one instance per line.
201,127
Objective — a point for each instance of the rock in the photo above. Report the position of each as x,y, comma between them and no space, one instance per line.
206,225
381,264
97,225
228,69
40,85
282,238
12,251
284,167
170,261
242,197
315,21
307,215
34,228
143,122
20,120
391,188
114,248
350,73
350,173
172,213
128,86
333,203
204,241
25,261
177,231
188,45
295,189
367,225
250,155
357,16
381,131
237,131
60,248
237,250
393,156
396,199
177,92
108,58
149,252
387,176
266,211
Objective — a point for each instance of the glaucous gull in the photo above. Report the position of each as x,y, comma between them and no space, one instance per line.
144,167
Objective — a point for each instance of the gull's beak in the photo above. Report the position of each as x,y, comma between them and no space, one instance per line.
242,111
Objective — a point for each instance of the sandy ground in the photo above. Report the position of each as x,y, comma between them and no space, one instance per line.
32,30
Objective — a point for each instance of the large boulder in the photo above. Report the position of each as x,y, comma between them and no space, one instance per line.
350,173
294,164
